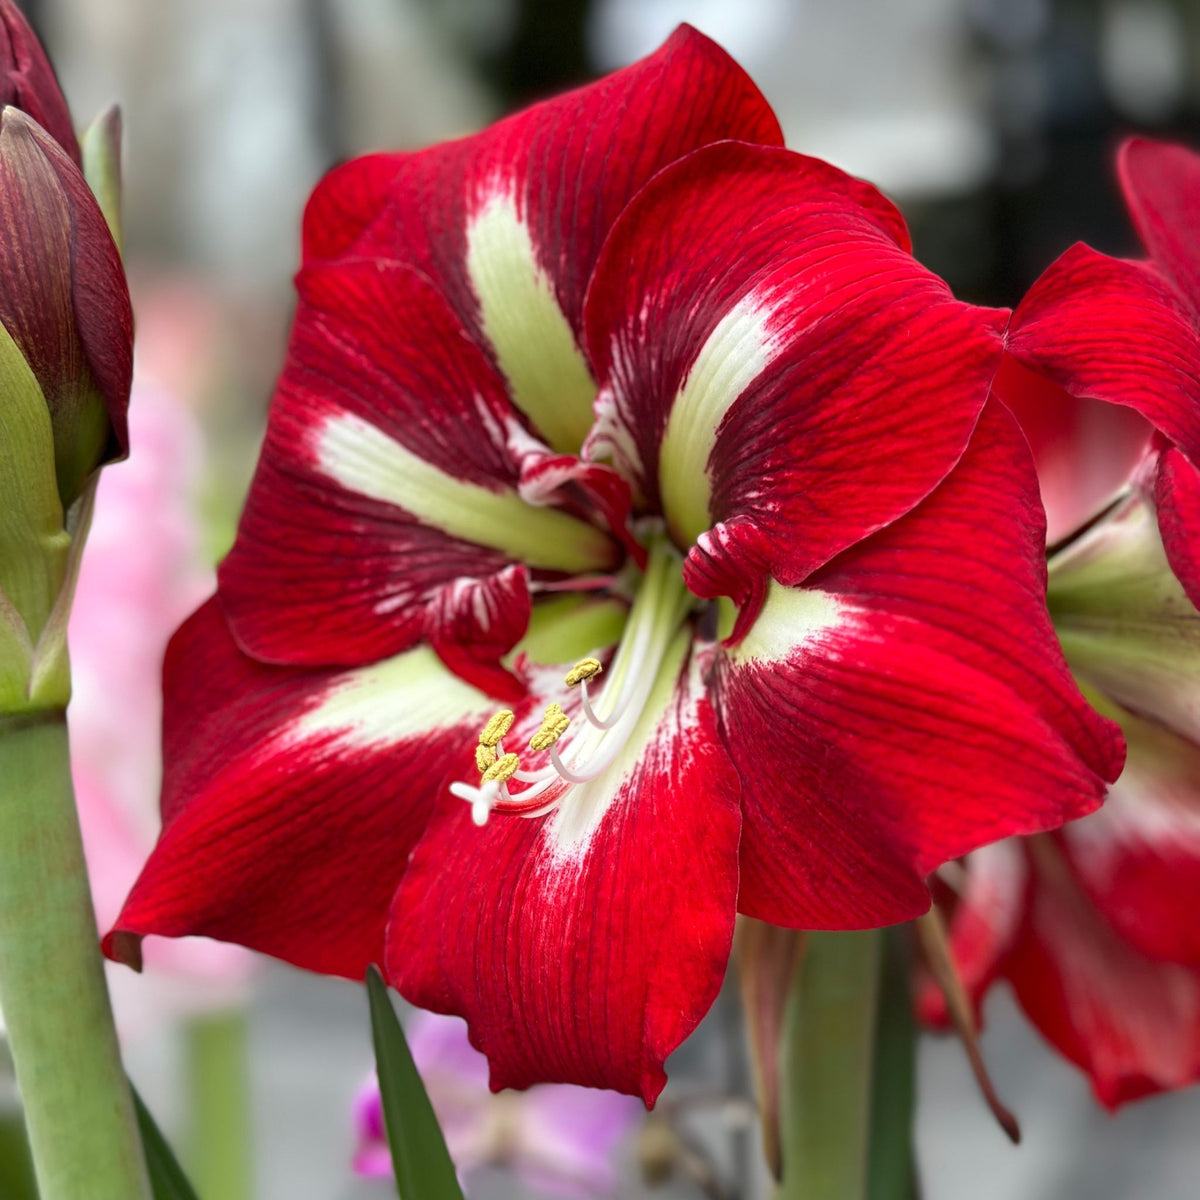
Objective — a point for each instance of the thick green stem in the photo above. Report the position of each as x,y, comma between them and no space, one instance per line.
827,1064
893,1104
221,1153
52,991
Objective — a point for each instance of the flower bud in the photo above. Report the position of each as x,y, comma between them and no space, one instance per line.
64,300
28,82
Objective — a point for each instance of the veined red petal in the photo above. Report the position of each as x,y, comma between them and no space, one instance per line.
292,799
584,946
769,351
1118,331
1085,451
509,222
908,705
1161,183
1138,857
1176,493
1131,1023
386,505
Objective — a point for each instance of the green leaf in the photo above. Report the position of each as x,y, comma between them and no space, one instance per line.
419,1155
167,1180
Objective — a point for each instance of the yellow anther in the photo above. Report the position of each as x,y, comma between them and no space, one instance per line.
484,757
502,768
554,725
497,727
585,668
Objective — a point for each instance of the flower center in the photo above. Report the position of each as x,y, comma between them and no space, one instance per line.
576,752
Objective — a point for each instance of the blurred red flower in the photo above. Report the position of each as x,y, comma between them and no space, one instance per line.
1094,926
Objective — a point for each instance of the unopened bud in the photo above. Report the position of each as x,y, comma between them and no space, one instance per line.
28,82
64,300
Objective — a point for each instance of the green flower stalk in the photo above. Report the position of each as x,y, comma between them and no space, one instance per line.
65,369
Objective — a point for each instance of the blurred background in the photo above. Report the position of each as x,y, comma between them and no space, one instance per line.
991,122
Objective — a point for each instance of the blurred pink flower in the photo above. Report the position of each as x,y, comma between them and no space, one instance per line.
558,1138
142,573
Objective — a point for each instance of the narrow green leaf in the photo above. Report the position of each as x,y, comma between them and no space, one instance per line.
419,1155
167,1180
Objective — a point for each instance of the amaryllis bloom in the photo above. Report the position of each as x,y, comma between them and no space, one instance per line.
559,1139
632,545
1094,925
143,571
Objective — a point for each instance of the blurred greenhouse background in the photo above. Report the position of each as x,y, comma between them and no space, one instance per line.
991,122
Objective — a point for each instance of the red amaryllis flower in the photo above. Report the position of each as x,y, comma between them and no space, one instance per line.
618,383
1094,925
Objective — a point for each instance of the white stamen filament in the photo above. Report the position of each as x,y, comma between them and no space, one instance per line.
657,612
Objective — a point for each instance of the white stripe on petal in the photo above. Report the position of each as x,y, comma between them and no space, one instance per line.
737,351
790,619
570,830
391,701
534,345
364,459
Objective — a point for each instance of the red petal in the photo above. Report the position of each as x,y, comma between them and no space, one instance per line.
1162,189
572,162
291,801
326,571
1177,504
1138,858
345,202
582,956
924,710
1108,329
1131,1023
767,348
1085,451
987,915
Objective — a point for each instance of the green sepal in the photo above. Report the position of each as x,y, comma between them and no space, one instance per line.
33,541
1125,623
167,1180
422,1164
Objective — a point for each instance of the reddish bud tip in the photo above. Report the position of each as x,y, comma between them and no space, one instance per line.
63,298
28,82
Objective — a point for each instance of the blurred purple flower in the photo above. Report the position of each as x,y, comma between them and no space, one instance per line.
558,1138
